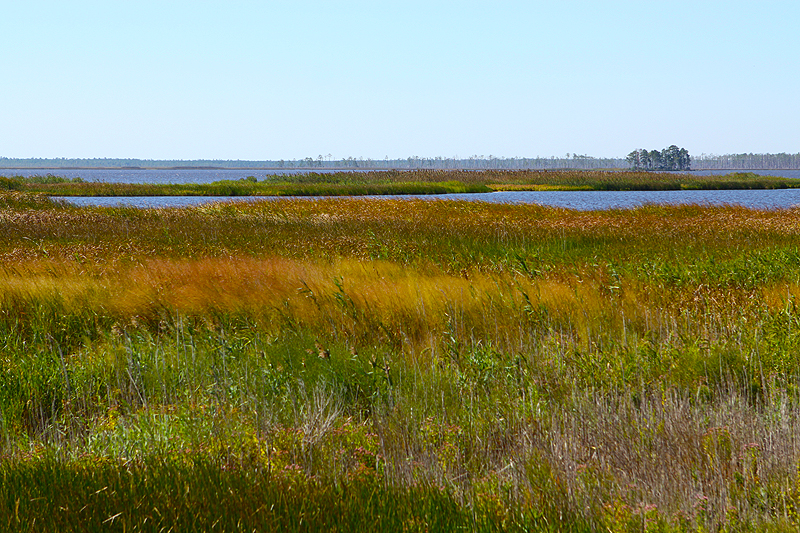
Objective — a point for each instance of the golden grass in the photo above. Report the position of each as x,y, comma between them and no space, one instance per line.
595,362
367,302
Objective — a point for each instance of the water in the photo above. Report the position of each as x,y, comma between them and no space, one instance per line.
155,201
157,176
581,200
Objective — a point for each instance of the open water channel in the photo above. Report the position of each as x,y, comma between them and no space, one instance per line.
581,200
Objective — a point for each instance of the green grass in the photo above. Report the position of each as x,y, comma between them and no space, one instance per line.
405,182
399,365
191,494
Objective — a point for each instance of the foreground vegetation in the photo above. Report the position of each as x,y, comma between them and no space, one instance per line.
415,182
406,365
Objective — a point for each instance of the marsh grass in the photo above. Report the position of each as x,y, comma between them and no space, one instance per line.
338,184
398,365
413,182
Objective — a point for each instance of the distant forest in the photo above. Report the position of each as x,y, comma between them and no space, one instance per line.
573,161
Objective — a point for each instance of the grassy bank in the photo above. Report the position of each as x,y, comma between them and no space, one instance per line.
415,182
403,365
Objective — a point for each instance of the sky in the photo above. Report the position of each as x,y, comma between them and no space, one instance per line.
289,79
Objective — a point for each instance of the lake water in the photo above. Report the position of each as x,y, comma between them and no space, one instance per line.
581,200
199,175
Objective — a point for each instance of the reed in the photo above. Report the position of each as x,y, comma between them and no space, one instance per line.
411,182
410,365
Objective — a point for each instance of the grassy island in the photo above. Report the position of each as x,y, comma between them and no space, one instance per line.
414,182
412,365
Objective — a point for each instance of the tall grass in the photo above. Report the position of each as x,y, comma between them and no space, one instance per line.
405,182
400,364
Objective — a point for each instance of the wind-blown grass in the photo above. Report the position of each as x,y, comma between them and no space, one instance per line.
399,365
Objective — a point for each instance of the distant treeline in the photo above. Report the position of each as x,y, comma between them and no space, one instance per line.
323,162
573,161
746,161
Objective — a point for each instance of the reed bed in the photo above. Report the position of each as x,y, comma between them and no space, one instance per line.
413,182
400,364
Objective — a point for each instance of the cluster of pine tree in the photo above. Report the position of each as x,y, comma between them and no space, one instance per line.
672,158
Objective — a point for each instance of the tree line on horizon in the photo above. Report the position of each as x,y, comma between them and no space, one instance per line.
570,161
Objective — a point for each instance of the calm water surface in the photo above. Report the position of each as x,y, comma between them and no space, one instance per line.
157,176
582,200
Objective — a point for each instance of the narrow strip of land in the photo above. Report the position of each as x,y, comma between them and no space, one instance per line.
416,182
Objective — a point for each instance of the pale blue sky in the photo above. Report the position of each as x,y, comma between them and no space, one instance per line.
292,79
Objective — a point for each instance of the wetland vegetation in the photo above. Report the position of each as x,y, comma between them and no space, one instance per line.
398,365
414,182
